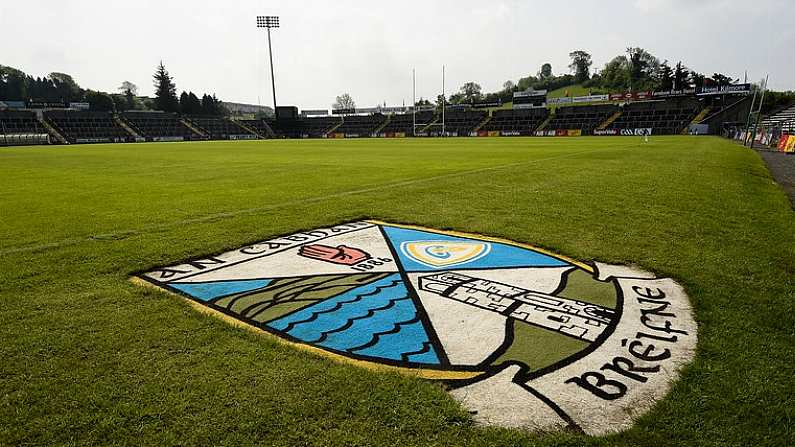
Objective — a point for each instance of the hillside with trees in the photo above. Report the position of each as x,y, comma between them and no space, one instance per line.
61,88
635,70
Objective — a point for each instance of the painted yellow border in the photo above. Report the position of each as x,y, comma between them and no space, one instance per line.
433,374
579,264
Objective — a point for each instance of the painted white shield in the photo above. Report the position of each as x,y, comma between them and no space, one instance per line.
437,254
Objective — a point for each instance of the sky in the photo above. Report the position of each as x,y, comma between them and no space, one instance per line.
369,48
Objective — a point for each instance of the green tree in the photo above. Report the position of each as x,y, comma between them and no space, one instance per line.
665,76
66,88
129,98
642,66
119,102
527,83
190,104
545,72
471,92
128,86
15,86
720,79
210,105
697,79
100,101
580,65
344,102
165,90
680,77
615,75
440,101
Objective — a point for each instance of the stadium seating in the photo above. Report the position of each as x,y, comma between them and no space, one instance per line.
784,119
585,118
304,127
461,122
404,123
259,126
220,128
361,126
517,121
663,117
19,122
87,127
159,126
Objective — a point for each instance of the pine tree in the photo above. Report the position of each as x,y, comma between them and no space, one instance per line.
165,91
184,107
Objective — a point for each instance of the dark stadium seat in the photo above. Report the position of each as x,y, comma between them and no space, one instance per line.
404,123
360,125
517,121
304,127
159,126
663,117
220,128
460,122
87,127
19,122
585,118
258,125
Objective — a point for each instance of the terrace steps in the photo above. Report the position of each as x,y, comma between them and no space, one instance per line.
383,125
51,129
431,124
335,127
610,120
482,123
194,128
699,118
249,129
544,125
126,127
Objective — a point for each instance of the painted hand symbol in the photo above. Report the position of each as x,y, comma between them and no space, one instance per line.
341,255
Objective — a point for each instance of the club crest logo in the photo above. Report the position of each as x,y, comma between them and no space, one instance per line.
445,253
522,337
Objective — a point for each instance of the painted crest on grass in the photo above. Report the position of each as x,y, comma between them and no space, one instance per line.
523,337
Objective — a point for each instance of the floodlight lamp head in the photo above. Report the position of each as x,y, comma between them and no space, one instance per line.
267,21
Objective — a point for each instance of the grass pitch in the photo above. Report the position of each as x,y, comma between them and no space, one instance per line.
89,358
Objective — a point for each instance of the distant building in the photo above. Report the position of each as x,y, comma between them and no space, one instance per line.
247,109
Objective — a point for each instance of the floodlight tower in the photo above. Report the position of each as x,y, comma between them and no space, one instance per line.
269,22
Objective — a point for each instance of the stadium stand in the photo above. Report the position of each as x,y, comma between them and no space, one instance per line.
663,117
360,126
518,121
259,126
404,123
221,128
462,122
585,118
159,126
19,122
784,119
21,128
304,127
87,127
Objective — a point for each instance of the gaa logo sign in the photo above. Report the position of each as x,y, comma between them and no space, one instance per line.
523,337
